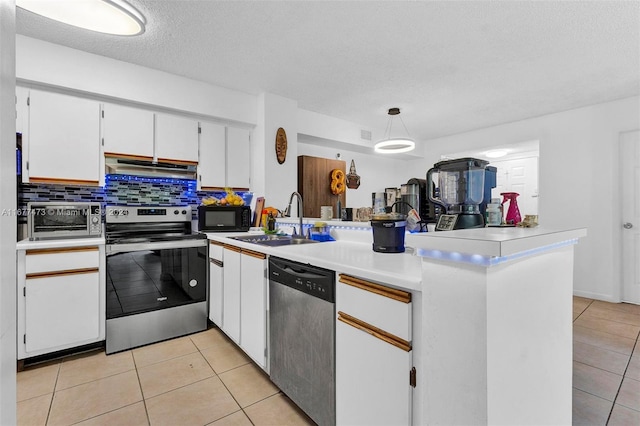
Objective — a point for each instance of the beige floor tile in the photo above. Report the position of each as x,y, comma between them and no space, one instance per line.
93,366
201,403
277,410
628,308
209,338
34,411
604,359
623,416
37,381
174,373
131,415
633,370
225,356
587,320
603,340
239,418
248,384
629,394
589,410
595,381
581,303
607,313
163,351
94,398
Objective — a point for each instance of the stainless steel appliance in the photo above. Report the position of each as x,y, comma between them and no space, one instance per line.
54,220
302,336
156,275
224,218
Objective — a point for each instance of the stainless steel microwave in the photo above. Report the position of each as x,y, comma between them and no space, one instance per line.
224,218
53,220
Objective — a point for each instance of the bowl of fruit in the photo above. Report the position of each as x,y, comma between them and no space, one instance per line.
230,198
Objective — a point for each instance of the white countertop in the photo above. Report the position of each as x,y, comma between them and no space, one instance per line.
401,270
27,244
492,242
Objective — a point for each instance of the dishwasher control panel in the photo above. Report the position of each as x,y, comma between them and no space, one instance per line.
312,280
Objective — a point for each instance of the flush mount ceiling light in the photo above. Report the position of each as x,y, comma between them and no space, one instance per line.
391,145
104,16
496,153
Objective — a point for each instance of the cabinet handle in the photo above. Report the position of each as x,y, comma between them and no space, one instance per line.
128,156
255,254
36,179
62,273
391,293
216,243
232,248
376,332
217,262
174,161
61,250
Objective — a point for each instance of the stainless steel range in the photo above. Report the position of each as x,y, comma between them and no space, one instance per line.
156,275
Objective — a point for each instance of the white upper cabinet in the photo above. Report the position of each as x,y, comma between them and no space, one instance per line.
212,164
238,159
176,138
127,131
63,138
22,110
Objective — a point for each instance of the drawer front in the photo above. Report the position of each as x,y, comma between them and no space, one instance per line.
373,304
67,259
216,250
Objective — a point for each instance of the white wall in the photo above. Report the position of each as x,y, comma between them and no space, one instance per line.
7,222
578,180
63,67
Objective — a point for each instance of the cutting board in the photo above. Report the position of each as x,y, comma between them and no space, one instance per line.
257,213
314,180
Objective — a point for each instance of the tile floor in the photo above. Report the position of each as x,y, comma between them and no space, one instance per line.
205,379
202,379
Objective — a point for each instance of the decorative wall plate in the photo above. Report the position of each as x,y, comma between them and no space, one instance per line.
281,145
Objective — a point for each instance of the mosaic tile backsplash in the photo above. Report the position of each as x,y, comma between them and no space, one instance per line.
121,190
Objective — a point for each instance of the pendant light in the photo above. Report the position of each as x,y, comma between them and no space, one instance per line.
391,145
115,17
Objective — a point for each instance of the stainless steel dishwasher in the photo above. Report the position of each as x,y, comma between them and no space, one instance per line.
302,336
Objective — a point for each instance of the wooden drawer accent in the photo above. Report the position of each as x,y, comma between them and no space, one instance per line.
375,331
232,248
391,293
255,254
128,156
36,179
62,273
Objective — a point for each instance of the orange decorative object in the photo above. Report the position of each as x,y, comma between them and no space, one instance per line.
337,182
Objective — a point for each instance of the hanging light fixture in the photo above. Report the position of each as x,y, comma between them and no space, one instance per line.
105,16
391,145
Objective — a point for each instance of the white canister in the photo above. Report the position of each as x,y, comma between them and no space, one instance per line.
494,215
326,212
378,202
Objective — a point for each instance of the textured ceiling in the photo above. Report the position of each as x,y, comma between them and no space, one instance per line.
450,66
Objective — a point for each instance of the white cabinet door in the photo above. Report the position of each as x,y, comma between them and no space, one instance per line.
372,380
216,284
176,138
231,294
212,161
253,311
61,310
238,158
127,131
22,110
64,138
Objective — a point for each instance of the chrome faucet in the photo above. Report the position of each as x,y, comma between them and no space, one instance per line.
287,213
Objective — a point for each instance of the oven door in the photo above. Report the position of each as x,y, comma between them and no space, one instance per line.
153,276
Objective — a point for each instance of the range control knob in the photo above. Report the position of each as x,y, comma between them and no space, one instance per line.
176,212
184,212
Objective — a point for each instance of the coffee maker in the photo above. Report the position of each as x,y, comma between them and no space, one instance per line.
461,188
414,194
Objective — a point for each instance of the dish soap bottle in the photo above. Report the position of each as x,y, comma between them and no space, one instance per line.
271,222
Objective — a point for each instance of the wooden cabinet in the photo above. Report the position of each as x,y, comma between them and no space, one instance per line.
127,131
216,282
61,299
238,158
314,184
64,139
176,139
373,354
212,167
253,306
231,293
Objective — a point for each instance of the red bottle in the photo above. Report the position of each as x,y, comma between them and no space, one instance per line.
513,214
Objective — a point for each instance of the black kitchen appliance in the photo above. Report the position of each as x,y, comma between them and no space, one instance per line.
388,232
414,194
156,275
224,218
461,190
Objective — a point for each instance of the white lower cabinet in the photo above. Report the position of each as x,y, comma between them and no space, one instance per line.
373,354
216,282
253,306
231,293
61,299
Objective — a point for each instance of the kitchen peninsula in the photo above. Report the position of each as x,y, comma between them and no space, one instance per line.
491,317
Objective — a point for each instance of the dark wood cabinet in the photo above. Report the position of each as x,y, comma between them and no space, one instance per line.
314,184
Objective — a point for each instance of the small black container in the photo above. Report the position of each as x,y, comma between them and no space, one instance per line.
388,232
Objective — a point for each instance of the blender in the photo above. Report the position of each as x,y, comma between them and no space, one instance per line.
461,189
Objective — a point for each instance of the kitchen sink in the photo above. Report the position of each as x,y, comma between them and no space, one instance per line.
273,240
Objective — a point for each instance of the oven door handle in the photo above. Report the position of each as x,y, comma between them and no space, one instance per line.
160,245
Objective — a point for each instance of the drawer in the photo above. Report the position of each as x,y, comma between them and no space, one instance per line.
383,307
64,259
215,250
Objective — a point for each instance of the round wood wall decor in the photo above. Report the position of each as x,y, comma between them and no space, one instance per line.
281,145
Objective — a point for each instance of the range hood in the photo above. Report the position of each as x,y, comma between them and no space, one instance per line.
148,168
